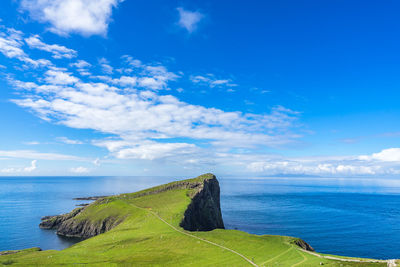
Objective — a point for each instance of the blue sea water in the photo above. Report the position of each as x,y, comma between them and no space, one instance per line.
352,217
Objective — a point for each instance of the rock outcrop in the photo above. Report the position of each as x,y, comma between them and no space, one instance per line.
303,244
69,226
204,212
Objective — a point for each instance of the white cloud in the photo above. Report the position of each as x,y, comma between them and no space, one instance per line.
58,51
30,154
105,65
28,169
32,167
210,81
80,64
11,42
79,170
68,141
390,155
148,150
97,162
189,19
86,17
58,77
125,81
32,143
385,162
292,167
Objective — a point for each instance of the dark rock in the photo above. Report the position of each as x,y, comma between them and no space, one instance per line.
67,225
9,252
85,228
89,198
82,205
303,244
54,222
204,212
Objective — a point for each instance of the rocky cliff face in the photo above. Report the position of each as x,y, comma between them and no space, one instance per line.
67,225
204,212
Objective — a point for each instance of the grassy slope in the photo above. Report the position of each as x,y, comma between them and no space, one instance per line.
143,239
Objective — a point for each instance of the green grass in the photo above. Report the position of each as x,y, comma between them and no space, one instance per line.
142,239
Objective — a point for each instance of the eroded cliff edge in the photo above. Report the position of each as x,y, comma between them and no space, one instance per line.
71,225
204,211
202,214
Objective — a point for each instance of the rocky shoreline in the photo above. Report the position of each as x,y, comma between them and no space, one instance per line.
89,198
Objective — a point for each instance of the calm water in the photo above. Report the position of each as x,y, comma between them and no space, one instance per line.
354,217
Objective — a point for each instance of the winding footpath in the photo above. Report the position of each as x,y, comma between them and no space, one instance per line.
390,263
199,238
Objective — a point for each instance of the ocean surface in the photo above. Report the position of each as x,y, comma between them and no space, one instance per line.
352,217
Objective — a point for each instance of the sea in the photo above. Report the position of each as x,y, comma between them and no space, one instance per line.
355,217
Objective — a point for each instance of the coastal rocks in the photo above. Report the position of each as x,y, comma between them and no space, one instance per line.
89,198
54,222
204,212
85,228
69,225
10,252
303,244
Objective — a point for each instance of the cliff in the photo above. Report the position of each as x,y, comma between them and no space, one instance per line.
202,214
71,225
204,211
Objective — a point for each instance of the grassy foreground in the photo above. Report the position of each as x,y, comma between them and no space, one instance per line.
150,235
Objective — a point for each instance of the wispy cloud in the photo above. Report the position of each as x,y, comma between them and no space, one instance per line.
86,17
58,51
68,141
211,81
31,143
105,66
79,170
31,154
80,64
189,20
11,42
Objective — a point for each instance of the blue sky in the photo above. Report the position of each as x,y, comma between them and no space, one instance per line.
184,87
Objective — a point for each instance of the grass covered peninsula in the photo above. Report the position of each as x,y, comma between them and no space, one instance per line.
176,224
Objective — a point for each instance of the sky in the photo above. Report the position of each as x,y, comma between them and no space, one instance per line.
241,88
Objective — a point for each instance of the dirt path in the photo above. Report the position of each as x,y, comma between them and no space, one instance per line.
277,256
304,259
390,263
196,237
